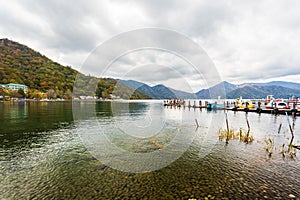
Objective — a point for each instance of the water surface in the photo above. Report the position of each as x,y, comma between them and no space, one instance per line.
44,155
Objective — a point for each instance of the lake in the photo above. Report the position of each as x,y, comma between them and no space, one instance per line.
142,150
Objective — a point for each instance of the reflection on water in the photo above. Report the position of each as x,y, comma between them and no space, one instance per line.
43,157
21,123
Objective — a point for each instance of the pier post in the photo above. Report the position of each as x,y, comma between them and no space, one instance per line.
275,109
235,104
227,135
294,106
189,104
259,107
200,104
194,104
291,129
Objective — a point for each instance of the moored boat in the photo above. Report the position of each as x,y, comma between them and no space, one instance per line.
246,105
241,104
279,104
215,106
269,99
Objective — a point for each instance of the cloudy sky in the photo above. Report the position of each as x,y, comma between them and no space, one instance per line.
248,41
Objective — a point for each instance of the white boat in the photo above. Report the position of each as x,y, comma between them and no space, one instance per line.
280,104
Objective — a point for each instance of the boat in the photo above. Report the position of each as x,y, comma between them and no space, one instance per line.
279,104
293,100
215,106
246,105
241,104
269,99
282,105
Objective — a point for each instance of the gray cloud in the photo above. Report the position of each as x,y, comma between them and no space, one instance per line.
247,40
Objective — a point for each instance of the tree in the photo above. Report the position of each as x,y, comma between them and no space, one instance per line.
3,92
104,89
21,92
15,94
59,94
51,94
68,94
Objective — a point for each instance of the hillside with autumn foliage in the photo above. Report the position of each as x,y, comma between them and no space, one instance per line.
23,65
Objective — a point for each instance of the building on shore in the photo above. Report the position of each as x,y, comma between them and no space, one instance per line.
15,87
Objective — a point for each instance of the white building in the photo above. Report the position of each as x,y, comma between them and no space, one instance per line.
15,86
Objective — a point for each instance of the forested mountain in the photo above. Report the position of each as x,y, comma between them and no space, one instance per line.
23,65
20,64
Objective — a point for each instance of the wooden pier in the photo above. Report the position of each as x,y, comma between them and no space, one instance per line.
226,106
183,103
294,112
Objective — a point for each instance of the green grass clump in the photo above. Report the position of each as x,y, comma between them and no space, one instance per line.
240,135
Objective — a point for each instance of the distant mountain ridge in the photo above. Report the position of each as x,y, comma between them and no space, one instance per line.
215,91
290,85
279,89
261,91
159,91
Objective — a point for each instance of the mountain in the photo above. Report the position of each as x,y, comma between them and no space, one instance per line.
290,85
279,89
215,91
258,92
183,95
159,91
162,92
131,83
23,65
141,87
247,92
224,89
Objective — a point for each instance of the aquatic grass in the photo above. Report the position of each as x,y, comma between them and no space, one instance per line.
154,142
270,146
143,145
289,150
227,135
240,135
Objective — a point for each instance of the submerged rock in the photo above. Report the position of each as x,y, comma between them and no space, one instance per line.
292,196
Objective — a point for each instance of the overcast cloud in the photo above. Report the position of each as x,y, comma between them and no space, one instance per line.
248,41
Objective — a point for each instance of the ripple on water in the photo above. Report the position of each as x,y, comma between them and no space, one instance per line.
54,165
